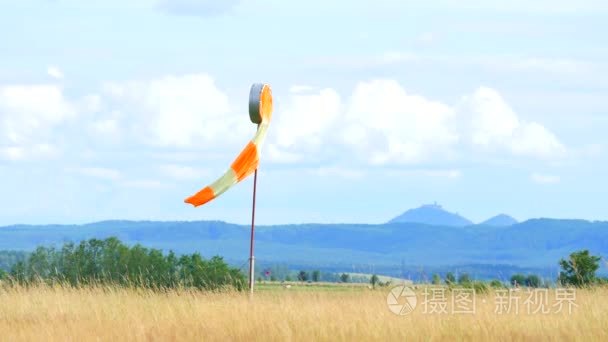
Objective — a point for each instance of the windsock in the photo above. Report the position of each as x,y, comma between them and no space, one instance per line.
260,113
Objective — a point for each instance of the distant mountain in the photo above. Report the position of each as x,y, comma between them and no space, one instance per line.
397,249
432,214
501,220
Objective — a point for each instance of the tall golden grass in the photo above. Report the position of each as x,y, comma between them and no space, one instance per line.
56,313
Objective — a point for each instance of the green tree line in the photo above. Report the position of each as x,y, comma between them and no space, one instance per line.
9,258
110,261
578,270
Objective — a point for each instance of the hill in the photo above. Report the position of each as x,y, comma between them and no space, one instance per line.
432,214
500,220
398,249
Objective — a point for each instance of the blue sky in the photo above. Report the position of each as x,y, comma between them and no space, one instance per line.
120,110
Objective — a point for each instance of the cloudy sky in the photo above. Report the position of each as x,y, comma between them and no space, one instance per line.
122,109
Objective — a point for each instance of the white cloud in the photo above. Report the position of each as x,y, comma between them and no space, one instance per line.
306,119
29,116
381,123
493,121
392,125
533,139
27,108
274,154
182,111
544,179
495,126
54,72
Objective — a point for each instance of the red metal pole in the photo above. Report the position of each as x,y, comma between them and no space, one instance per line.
251,257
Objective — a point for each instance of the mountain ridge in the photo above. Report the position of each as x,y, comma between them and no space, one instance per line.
500,220
537,243
432,214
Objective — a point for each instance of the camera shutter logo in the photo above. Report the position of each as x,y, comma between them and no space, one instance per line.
401,300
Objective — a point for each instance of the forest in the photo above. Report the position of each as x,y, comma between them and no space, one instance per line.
111,262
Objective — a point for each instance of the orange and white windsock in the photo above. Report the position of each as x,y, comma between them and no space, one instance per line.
260,113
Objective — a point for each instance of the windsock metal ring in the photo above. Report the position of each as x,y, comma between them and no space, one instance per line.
260,103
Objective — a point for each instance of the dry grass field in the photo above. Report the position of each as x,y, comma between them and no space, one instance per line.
113,314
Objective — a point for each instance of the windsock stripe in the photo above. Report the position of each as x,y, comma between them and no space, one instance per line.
258,140
266,104
244,165
224,182
246,162
215,189
201,197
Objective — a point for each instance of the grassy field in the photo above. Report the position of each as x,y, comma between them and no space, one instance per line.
275,313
